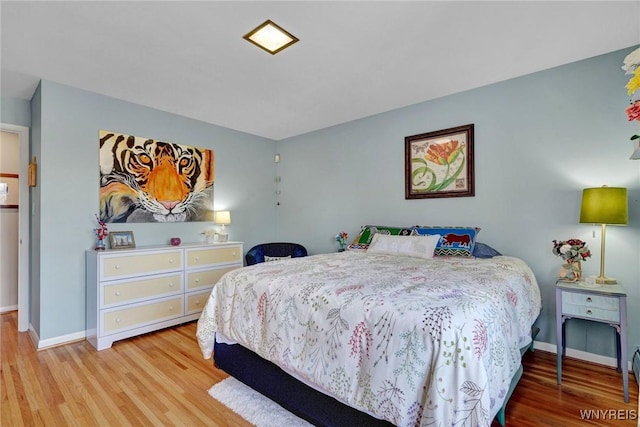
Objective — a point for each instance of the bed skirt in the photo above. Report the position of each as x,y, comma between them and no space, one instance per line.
290,393
303,400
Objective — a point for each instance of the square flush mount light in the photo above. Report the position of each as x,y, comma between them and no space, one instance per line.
270,37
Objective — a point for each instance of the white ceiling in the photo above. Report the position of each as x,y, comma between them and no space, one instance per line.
354,59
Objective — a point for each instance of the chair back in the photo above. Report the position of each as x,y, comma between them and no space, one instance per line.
277,249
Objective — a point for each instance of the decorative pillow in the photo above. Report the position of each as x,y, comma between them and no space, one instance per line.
275,258
454,241
480,250
411,246
362,241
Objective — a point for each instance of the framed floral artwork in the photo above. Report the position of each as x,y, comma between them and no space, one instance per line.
439,164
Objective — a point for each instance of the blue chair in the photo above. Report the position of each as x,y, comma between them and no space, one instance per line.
281,249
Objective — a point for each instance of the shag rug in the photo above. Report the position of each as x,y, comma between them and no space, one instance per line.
253,406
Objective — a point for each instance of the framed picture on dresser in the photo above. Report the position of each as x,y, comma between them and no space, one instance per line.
122,240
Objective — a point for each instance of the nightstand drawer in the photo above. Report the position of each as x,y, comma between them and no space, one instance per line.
594,313
590,300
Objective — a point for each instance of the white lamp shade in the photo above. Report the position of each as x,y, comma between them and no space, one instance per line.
222,217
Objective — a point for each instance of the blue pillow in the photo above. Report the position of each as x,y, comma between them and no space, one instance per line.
454,241
480,250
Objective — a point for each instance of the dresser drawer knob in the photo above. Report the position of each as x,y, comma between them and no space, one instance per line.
117,293
118,320
171,284
117,266
197,280
170,308
197,258
197,302
589,299
170,260
589,312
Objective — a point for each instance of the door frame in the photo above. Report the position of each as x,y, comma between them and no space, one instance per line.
23,224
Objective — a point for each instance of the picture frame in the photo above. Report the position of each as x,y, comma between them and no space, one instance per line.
121,240
440,164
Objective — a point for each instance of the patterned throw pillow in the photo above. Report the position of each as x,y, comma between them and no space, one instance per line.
454,241
275,258
362,241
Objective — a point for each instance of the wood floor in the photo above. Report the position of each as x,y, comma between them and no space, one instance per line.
161,379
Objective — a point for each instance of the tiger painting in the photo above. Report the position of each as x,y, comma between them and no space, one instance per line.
145,180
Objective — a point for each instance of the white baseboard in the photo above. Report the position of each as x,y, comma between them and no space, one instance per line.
581,355
54,342
8,308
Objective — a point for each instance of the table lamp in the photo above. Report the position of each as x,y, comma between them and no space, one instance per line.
605,206
223,218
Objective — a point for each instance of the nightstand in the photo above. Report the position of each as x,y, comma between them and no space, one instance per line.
603,303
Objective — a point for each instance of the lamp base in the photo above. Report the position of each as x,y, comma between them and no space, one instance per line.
606,280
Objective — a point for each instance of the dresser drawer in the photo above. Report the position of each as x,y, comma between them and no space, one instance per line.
211,256
196,301
206,278
114,321
590,300
127,291
140,264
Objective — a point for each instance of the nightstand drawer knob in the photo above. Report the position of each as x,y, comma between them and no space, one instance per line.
171,261
197,302
197,258
117,266
117,293
589,312
197,280
118,320
589,299
171,284
170,308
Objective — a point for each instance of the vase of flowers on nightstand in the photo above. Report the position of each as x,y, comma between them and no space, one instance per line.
573,252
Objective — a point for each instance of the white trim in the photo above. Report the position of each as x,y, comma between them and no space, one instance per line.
56,341
23,225
581,355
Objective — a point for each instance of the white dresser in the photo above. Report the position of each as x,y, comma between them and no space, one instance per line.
134,291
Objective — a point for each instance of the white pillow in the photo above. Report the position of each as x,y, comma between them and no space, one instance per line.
411,246
275,258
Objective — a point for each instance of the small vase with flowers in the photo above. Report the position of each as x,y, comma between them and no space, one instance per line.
573,252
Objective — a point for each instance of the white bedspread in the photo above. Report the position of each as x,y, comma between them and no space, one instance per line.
413,341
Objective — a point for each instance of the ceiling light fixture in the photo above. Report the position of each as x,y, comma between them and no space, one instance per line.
270,37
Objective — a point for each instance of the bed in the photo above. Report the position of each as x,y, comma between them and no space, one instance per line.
393,339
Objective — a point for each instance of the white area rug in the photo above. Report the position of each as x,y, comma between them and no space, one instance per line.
252,406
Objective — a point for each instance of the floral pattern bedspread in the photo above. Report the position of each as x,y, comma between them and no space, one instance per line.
416,342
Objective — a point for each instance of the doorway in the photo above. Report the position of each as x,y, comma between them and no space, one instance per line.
22,134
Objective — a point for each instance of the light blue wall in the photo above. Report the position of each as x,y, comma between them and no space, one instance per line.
15,111
69,120
539,140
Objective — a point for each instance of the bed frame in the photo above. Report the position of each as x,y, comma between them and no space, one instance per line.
301,399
